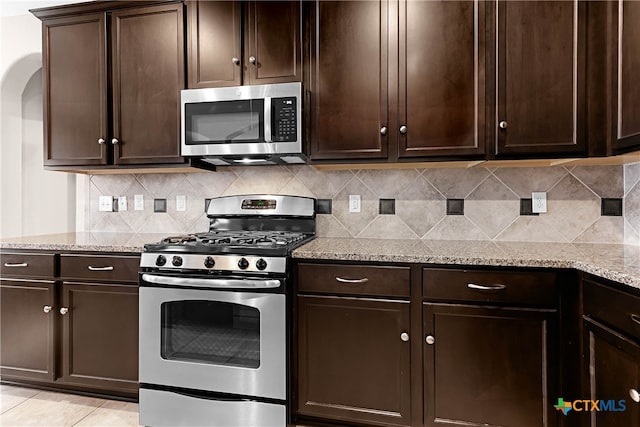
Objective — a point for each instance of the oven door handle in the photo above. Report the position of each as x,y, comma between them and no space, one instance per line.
211,283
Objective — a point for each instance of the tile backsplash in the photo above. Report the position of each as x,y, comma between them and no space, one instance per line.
414,202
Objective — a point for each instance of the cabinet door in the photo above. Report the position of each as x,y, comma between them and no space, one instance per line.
214,43
627,89
348,73
75,90
273,53
100,336
489,366
541,106
148,74
27,329
441,79
353,364
613,371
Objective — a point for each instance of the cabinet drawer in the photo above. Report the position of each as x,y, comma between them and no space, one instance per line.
99,268
355,279
27,265
512,287
615,308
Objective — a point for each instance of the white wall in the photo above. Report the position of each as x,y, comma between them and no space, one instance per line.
32,200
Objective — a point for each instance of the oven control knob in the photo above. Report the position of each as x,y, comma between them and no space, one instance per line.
261,264
161,260
243,263
209,262
176,261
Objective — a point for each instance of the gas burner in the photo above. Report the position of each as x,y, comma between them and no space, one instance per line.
180,239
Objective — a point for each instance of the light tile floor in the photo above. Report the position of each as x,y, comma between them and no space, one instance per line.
29,407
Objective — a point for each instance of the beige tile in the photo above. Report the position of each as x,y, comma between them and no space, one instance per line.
112,222
631,207
296,188
112,185
259,179
50,409
159,185
532,229
329,226
357,221
212,184
420,206
11,396
605,181
161,223
388,183
323,184
523,181
456,183
631,176
112,414
572,208
492,206
455,227
387,227
631,234
606,229
194,209
132,217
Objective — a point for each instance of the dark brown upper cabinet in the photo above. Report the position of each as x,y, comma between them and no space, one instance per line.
112,82
540,79
396,80
231,43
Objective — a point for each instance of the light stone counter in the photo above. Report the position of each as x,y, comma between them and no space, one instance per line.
94,242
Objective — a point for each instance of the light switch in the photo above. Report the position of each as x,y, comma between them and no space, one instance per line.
105,204
122,203
539,202
354,203
181,203
138,202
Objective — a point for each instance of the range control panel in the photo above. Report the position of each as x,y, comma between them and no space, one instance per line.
284,113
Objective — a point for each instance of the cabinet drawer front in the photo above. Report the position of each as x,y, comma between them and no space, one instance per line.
354,279
527,288
615,308
27,265
100,268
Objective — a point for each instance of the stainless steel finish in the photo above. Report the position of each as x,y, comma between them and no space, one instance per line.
635,318
47,308
16,264
164,408
403,129
235,60
383,130
64,310
114,141
496,287
268,380
222,262
343,280
404,336
503,125
285,206
211,283
238,93
252,60
635,396
106,268
430,339
101,141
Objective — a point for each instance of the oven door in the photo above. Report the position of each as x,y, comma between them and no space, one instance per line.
213,340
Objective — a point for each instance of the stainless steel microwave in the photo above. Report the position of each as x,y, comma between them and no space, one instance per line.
260,124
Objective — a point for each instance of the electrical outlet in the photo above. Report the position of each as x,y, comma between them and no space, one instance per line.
105,204
539,202
354,203
181,203
138,202
122,203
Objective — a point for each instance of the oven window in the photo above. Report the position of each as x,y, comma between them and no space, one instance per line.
211,332
224,121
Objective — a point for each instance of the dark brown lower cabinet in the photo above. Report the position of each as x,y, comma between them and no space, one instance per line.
488,365
354,360
27,329
100,336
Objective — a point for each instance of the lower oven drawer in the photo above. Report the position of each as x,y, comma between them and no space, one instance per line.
167,408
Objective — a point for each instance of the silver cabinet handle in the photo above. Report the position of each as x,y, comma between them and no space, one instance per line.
341,280
635,396
64,310
107,268
503,125
114,141
430,339
16,264
404,336
211,283
252,59
403,129
635,318
486,288
47,308
383,130
101,141
235,60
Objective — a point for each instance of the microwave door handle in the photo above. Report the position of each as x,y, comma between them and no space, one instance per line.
267,119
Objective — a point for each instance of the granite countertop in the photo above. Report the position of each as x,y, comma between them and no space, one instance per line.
620,263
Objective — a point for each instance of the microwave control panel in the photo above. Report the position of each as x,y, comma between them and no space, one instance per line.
284,113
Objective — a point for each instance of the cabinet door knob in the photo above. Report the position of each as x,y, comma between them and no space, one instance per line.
235,60
503,125
64,310
403,129
252,59
404,336
430,339
101,141
47,308
383,130
635,396
114,141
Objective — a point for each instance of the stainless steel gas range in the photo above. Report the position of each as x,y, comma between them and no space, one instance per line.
214,328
